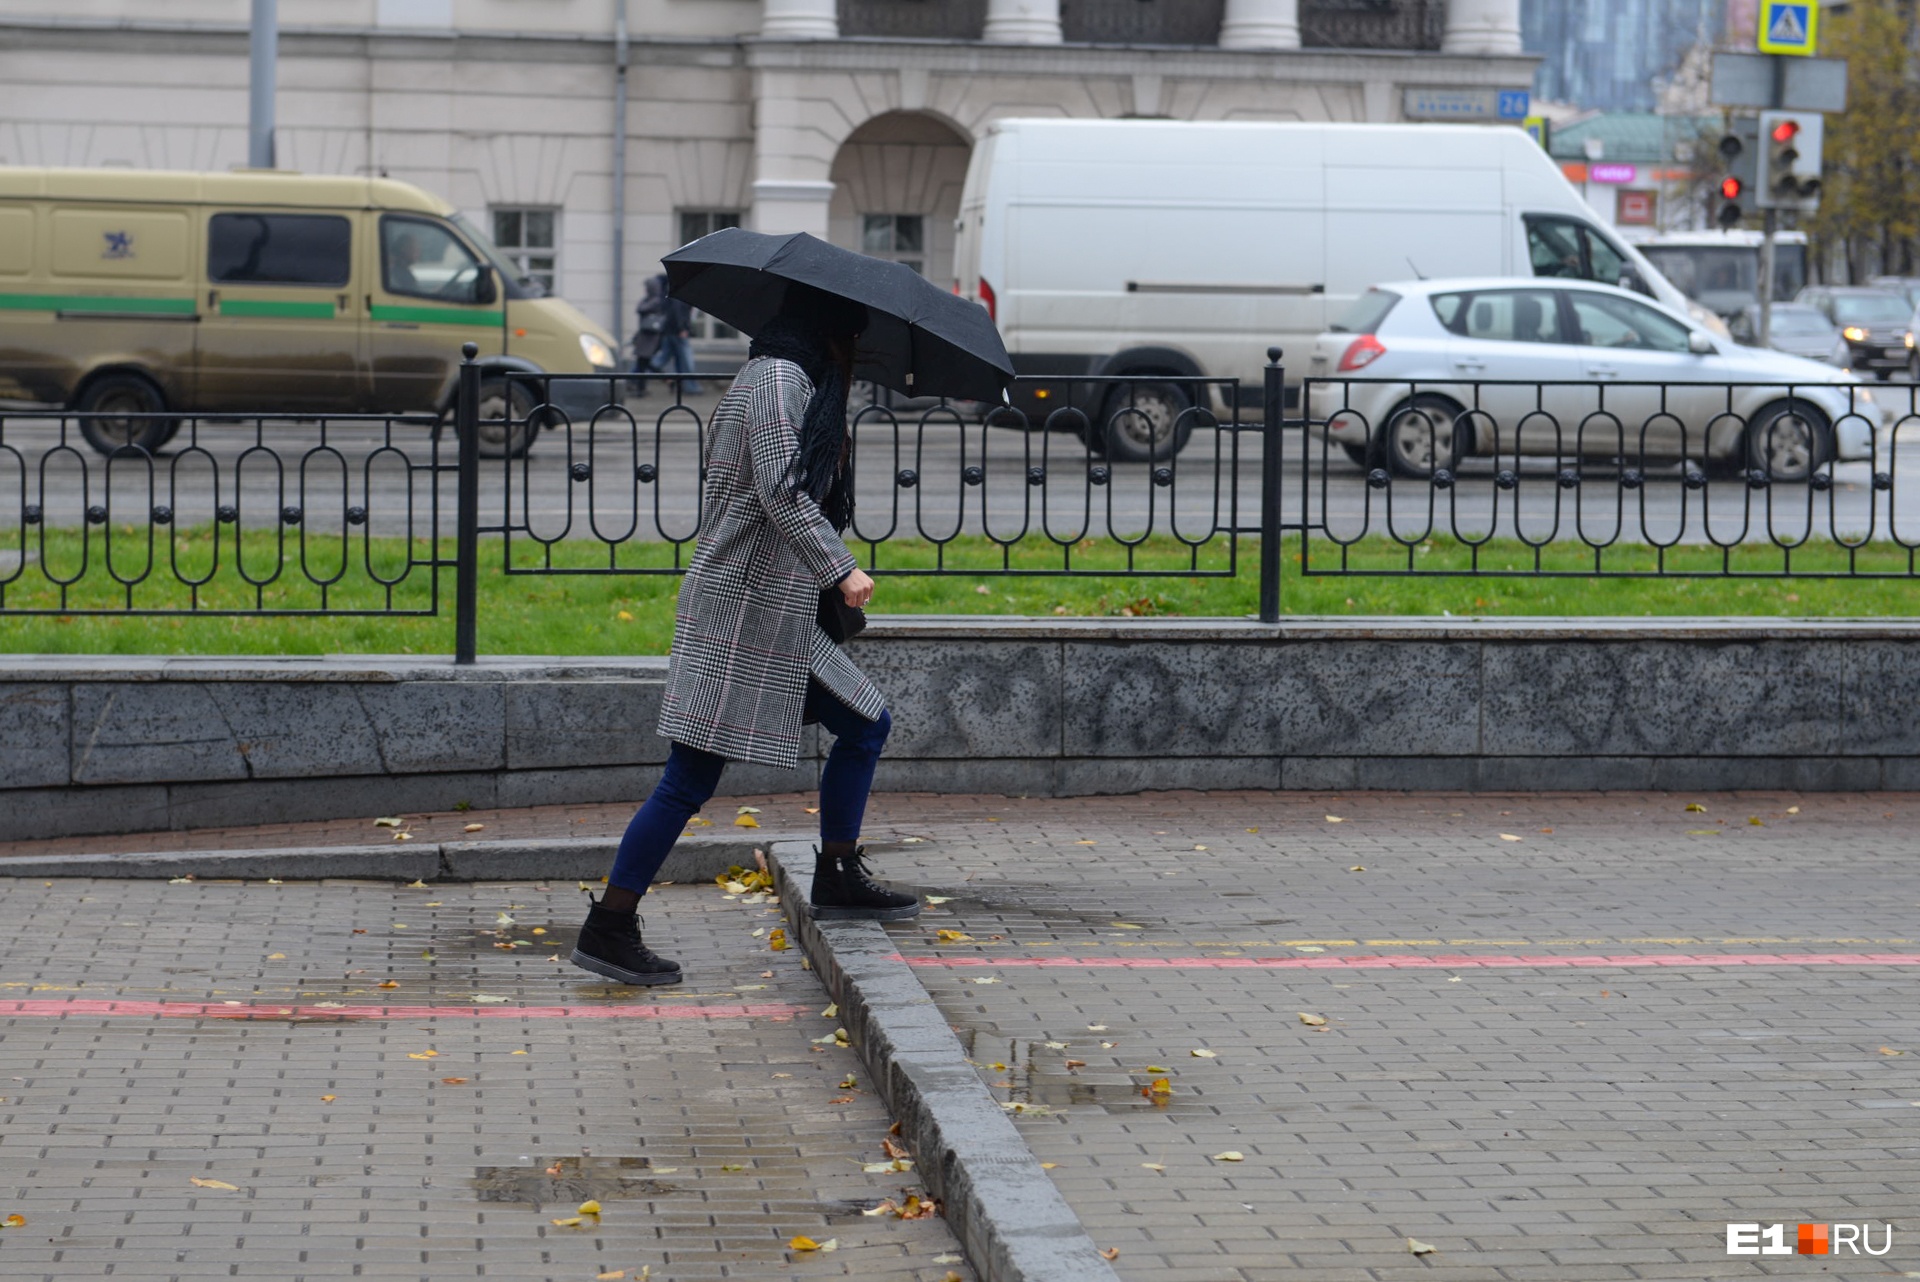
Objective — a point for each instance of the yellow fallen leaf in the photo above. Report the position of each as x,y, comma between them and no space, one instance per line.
1199,847
1756,821
1313,1021
516,1052
1507,836
1888,1050
590,1207
1418,1247
749,810
403,836
745,821
1161,1086
1703,832
698,822
1153,1166
833,1008
1231,1155
847,1083
388,983
733,1166
953,937
1253,830
198,1182
812,810
1203,1054
1358,868
571,1222
1335,819
328,1099
276,956
625,616
388,821
758,931
1158,1068
181,881
1084,842
777,941
609,1275
1110,1253
473,828
453,1081
980,979
804,1244
423,1054
14,1222
1694,807
939,899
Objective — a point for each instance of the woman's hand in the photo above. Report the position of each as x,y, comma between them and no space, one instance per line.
857,589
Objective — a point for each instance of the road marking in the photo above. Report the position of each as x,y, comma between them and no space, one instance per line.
267,1010
1629,961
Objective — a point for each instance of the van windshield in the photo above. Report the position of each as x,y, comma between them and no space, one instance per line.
518,286
1365,313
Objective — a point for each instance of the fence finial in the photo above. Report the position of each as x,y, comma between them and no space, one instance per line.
1273,355
468,351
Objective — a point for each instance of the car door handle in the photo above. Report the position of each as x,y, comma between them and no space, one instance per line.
1469,366
1603,371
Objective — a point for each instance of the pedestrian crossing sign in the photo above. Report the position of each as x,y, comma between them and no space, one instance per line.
1788,26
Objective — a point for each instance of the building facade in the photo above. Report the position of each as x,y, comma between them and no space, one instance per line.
850,119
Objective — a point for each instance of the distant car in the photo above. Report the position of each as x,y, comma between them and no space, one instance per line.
1908,287
1795,330
1603,374
1877,324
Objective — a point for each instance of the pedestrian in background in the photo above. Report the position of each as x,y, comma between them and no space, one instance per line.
651,322
676,342
750,662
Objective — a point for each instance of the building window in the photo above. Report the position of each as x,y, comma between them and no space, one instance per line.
526,237
900,237
695,223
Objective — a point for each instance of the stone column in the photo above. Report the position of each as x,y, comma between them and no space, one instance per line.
1023,22
1261,24
782,206
1479,27
800,20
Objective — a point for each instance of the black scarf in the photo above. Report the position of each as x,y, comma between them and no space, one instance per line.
818,467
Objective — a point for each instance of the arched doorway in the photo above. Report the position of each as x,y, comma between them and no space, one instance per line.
896,191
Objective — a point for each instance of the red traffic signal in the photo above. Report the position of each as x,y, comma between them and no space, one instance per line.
1730,187
1785,131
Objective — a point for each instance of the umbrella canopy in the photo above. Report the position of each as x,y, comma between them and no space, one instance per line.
920,340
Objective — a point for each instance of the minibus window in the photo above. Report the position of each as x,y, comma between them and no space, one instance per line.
279,249
423,259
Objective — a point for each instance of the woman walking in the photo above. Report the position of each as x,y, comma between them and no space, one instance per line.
750,663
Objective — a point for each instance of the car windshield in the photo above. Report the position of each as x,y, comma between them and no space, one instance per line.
1870,309
518,286
1365,313
1799,322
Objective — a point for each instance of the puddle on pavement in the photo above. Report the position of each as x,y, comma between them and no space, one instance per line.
1015,1076
571,1179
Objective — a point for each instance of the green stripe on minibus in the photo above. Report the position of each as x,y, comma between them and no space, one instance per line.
94,303
435,316
270,307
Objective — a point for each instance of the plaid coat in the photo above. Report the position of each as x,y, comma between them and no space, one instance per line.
745,636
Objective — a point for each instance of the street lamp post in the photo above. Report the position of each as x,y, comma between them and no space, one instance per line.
264,52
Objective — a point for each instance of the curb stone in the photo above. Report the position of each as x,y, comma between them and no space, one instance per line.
693,859
1007,1213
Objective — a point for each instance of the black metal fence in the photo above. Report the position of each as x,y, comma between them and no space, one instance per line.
1136,476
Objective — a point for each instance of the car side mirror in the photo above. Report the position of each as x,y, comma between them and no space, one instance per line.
1699,344
484,290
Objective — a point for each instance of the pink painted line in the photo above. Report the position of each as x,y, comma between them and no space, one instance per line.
62,1008
1625,961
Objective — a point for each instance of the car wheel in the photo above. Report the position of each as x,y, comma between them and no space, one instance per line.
507,424
1145,422
1423,435
1789,442
130,406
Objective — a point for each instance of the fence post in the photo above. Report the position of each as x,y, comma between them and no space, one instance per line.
1270,490
466,554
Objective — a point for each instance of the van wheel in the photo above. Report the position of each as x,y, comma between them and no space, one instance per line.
1423,435
1145,422
1789,442
507,424
130,407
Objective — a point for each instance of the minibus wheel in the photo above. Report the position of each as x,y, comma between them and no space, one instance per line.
1145,422
506,420
131,407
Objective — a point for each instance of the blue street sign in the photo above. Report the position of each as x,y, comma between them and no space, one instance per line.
1513,104
1788,26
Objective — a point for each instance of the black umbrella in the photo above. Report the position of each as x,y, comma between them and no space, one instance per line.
920,340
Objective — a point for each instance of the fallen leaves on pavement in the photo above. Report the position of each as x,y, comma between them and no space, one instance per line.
1231,1155
1311,1020
201,1182
1418,1247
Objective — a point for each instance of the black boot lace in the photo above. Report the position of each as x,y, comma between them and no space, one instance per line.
858,872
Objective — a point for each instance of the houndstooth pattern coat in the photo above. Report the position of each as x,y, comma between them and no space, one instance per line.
745,630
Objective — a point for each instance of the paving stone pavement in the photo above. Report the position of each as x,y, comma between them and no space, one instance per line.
154,1034
1547,1120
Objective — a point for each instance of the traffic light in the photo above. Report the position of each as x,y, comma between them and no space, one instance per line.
1789,175
1737,156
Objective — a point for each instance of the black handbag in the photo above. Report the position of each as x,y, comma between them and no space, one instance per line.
840,621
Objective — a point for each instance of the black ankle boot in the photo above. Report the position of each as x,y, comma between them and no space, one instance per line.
610,945
842,891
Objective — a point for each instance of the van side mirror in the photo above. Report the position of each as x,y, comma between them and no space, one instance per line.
484,289
1699,344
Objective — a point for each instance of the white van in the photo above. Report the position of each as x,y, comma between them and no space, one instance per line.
1190,247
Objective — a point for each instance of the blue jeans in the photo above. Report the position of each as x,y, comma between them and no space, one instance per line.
692,775
675,353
